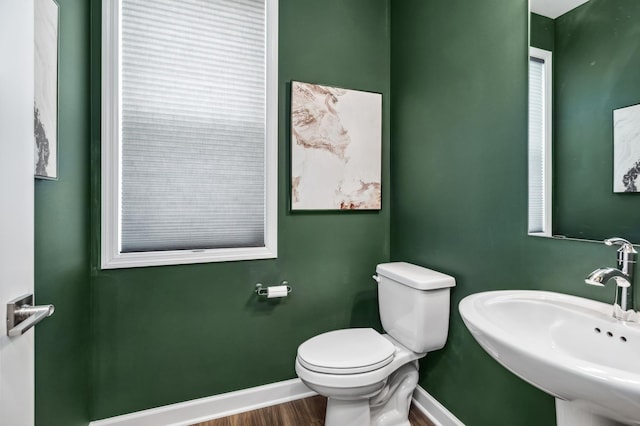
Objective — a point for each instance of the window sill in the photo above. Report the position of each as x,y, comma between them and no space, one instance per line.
185,257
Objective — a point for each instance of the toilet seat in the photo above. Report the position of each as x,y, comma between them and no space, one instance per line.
348,351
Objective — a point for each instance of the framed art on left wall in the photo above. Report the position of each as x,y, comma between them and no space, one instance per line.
45,103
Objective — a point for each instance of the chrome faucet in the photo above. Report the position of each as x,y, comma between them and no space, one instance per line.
623,275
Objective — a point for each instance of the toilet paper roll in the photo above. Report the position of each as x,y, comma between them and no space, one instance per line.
277,291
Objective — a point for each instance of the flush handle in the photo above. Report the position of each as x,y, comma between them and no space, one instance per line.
22,315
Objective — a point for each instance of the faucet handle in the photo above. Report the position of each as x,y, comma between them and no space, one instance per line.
626,246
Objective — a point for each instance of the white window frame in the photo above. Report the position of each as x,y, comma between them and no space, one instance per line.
546,57
111,257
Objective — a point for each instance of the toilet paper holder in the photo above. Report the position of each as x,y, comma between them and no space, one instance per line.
264,291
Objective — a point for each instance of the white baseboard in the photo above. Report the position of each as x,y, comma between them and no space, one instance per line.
436,412
213,407
228,404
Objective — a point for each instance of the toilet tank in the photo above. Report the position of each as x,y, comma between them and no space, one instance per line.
414,305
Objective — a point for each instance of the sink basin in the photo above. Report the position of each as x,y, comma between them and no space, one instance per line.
567,346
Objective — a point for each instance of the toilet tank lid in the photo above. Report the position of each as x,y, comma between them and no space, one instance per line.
415,276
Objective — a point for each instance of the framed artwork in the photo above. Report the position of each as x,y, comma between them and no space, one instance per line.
336,148
626,149
46,88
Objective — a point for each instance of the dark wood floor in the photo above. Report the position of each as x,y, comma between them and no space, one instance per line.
302,412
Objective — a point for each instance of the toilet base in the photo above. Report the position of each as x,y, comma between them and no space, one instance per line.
389,407
347,413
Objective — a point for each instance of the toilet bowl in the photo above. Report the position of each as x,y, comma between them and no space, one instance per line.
369,377
354,365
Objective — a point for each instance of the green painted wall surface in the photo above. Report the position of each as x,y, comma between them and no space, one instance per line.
542,32
62,240
596,64
459,173
169,334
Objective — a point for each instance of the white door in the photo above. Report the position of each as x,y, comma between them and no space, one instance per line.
16,205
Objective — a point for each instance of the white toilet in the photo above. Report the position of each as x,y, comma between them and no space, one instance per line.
369,377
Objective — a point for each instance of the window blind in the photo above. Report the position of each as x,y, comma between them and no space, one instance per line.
536,144
192,124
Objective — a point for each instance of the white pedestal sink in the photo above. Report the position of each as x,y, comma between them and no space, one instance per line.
570,347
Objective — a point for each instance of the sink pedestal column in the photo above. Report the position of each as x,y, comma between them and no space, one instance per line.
570,414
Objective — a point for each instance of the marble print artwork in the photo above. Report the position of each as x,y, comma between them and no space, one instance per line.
336,148
626,149
45,114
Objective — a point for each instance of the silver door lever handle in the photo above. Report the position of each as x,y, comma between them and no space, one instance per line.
22,315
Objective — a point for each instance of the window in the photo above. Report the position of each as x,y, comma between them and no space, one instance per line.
540,134
189,131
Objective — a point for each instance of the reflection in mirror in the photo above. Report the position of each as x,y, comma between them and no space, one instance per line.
595,50
626,149
540,137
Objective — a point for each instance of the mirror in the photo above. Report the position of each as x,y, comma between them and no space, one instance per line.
596,70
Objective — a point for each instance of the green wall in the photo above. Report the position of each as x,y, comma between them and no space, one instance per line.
596,63
62,240
459,173
169,334
162,335
542,32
